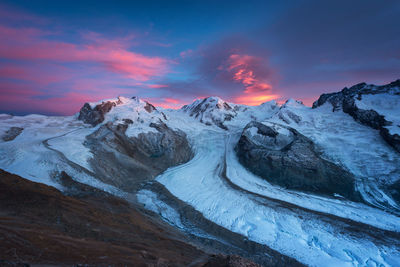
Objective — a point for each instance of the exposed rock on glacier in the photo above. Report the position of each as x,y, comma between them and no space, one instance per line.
374,106
95,115
125,161
391,139
12,133
283,156
394,190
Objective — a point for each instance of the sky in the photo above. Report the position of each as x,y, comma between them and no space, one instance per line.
57,55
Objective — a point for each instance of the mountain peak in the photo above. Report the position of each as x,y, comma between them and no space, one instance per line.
357,91
211,110
94,113
214,99
291,102
210,102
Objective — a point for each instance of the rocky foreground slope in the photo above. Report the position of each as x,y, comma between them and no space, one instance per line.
88,227
278,184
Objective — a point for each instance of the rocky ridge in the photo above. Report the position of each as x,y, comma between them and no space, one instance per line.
350,100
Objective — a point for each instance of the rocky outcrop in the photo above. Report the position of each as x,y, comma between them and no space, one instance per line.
149,107
95,115
391,139
125,161
346,100
283,156
394,190
12,133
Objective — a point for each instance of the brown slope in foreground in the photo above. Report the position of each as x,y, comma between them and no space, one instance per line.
40,225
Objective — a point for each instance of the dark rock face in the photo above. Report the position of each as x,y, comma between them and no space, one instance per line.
285,157
96,115
125,161
394,190
149,107
391,139
346,100
12,133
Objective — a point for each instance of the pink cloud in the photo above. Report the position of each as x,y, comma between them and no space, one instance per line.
67,104
166,102
24,97
38,74
172,100
255,99
245,69
157,85
30,44
9,89
242,67
257,87
35,73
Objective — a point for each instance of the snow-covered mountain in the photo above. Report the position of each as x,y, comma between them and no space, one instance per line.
212,110
215,111
374,106
320,185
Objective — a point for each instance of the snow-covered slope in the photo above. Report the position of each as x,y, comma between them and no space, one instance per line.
356,147
310,237
371,105
211,110
314,229
387,105
215,111
33,156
